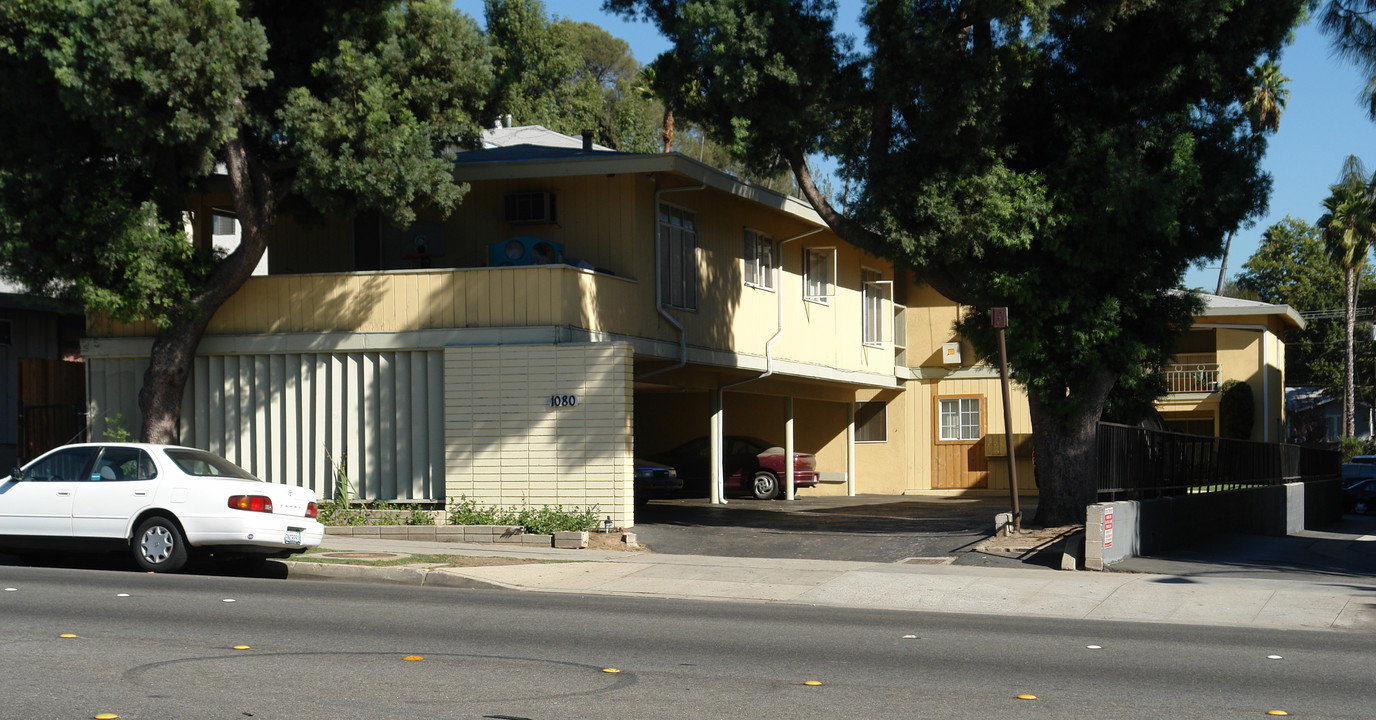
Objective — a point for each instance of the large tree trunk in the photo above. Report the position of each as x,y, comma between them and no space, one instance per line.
1223,269
1067,455
174,348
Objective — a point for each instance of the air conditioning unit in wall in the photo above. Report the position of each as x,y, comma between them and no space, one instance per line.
529,208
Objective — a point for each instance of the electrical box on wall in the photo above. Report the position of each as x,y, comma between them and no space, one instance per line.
950,353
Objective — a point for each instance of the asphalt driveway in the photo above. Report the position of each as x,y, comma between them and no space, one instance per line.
868,528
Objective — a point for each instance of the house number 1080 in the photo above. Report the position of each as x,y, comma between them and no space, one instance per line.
563,400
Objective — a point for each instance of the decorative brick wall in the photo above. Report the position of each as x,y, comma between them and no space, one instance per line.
540,425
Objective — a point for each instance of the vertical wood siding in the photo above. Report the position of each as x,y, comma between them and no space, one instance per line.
290,418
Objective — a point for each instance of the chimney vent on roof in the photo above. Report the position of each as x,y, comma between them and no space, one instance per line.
508,120
587,139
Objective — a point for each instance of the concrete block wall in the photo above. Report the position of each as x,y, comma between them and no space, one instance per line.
508,443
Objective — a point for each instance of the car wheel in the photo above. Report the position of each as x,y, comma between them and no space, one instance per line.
1360,507
765,485
159,546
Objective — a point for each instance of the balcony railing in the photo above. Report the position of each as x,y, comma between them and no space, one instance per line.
1192,378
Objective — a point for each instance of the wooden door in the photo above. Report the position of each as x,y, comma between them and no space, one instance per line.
958,457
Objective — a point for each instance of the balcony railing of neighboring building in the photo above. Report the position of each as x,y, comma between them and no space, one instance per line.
1192,378
1137,463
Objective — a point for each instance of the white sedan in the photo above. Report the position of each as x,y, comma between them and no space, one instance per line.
159,502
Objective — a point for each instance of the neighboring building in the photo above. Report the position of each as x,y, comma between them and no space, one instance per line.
580,308
43,397
1231,339
1314,415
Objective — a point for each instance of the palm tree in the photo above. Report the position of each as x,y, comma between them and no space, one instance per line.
1349,227
1263,108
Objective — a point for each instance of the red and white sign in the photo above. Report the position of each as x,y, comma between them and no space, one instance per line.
1108,527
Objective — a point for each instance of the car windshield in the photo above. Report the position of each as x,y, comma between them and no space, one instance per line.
199,463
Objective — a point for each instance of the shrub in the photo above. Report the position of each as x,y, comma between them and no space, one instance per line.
1236,410
543,520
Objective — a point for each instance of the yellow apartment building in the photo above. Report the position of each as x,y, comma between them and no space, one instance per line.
582,308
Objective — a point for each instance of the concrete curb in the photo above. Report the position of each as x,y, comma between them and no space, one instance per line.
390,574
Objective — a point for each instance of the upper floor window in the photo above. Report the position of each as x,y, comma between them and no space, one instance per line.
959,419
878,295
678,240
819,274
759,260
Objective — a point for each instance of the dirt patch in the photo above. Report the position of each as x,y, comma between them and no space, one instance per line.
1029,540
612,541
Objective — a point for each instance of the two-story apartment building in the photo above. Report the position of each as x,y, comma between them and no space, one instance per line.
580,308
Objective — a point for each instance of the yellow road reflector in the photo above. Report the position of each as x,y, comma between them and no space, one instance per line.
1027,697
242,647
610,670
1276,712
413,658
812,682
66,635
106,716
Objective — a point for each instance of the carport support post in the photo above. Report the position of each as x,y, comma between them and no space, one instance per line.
850,449
715,479
788,448
998,317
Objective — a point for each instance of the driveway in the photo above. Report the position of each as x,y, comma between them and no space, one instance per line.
867,528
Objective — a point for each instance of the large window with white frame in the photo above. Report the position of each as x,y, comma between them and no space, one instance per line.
678,239
759,260
819,274
875,322
959,419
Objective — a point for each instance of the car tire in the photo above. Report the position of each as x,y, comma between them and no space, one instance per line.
1360,507
159,546
765,485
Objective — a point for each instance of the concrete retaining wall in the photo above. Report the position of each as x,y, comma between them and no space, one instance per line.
1117,531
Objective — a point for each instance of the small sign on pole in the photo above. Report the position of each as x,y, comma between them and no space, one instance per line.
1108,528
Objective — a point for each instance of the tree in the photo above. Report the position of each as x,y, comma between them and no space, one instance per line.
118,111
1349,22
1263,109
567,76
1068,160
1292,267
1349,227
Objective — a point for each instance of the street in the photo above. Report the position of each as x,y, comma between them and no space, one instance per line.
162,646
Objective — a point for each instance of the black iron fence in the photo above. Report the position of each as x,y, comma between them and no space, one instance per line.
1136,463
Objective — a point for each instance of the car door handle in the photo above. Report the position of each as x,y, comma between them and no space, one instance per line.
64,493
140,493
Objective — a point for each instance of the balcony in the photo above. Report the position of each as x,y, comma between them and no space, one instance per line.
1194,377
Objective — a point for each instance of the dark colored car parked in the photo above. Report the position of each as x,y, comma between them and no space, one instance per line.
1359,497
751,465
655,480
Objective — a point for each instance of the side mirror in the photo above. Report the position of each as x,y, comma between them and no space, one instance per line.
17,474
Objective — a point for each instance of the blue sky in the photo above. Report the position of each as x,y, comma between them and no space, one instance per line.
1322,124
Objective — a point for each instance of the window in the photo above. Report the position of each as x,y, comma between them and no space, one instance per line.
223,224
65,465
123,463
678,239
878,295
6,332
819,275
759,260
870,422
959,419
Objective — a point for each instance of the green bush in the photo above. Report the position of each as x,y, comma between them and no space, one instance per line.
1236,410
1356,446
543,520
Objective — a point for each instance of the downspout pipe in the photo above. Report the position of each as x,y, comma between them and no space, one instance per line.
659,284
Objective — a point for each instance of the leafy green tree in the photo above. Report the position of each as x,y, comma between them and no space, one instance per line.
567,76
117,111
1349,227
1069,160
1349,23
1292,267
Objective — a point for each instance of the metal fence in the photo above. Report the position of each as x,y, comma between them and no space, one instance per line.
1136,463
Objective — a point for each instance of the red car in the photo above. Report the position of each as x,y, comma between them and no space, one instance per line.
751,465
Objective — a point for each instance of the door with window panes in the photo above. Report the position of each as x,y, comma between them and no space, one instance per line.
958,459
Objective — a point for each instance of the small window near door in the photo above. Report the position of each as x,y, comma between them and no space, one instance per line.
819,275
759,260
871,424
959,419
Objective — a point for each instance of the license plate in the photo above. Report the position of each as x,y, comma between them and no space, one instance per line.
293,538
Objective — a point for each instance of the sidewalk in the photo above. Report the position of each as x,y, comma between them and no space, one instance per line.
1314,603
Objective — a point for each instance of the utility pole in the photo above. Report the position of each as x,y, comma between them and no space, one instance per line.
998,317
